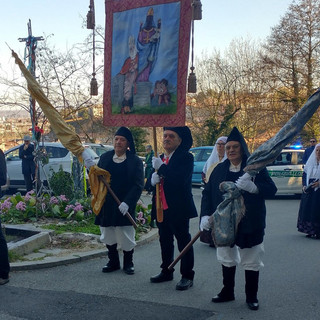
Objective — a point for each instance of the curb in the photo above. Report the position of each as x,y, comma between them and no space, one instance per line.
50,262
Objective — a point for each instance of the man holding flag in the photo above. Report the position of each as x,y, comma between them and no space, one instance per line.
174,171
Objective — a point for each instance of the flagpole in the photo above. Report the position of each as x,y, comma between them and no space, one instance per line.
158,202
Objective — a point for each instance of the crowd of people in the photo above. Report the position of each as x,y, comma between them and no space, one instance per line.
171,171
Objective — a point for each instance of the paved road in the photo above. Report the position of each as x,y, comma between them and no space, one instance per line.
289,286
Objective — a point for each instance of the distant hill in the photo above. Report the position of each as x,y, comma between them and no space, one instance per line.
19,113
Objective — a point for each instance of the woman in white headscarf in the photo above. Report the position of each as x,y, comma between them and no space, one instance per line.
309,212
217,155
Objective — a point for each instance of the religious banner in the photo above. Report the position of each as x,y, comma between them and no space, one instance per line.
146,62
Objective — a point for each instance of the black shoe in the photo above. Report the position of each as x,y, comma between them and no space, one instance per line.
162,277
129,269
222,298
184,284
253,305
4,280
110,268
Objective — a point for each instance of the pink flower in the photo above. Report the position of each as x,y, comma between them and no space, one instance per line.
30,193
63,198
68,207
5,206
54,200
21,206
140,218
78,207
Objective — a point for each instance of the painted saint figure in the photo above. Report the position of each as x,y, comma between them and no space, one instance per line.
130,71
148,45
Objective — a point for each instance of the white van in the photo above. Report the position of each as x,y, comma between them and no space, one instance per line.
286,171
57,154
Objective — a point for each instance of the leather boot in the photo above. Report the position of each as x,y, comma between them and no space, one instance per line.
227,292
114,262
252,281
128,267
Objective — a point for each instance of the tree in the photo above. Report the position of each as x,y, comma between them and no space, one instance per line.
232,92
65,79
139,138
292,57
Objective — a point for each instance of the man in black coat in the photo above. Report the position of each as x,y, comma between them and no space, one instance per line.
28,165
174,172
248,249
127,182
309,150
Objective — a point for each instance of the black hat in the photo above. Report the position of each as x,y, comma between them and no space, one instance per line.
125,132
185,134
235,135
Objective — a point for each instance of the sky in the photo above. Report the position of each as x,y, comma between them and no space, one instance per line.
223,21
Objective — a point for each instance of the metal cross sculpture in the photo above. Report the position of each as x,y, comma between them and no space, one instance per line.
30,54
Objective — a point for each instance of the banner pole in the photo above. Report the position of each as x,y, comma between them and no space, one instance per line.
158,202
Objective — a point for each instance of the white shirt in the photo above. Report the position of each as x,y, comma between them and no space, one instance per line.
234,168
120,159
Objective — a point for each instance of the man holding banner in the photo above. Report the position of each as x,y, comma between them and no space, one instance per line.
127,181
174,171
246,248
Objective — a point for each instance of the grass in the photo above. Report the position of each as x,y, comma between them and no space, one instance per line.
13,257
87,226
70,227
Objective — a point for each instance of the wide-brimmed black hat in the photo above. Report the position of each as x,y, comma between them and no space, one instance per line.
125,132
185,134
235,135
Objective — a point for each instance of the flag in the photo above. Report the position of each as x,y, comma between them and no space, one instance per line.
66,135
146,62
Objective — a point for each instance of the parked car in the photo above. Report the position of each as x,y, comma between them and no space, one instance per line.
57,156
99,148
201,155
286,171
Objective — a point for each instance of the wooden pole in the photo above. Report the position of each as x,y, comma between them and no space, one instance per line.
103,179
185,250
158,202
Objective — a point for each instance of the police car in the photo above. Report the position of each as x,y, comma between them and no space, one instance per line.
286,171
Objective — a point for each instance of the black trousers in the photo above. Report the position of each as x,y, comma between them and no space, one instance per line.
168,229
4,259
28,179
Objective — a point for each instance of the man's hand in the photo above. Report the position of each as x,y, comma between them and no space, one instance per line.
155,179
123,208
245,183
89,163
156,163
204,223
87,159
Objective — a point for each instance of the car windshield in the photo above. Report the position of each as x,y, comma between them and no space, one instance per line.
92,153
196,154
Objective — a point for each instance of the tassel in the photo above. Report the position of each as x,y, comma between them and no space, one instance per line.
197,10
90,16
94,87
90,24
192,82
